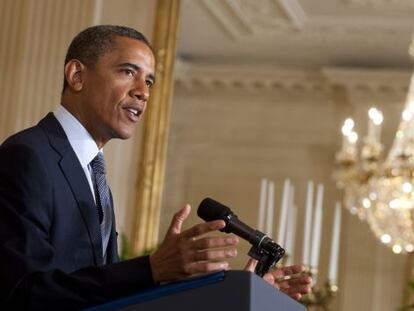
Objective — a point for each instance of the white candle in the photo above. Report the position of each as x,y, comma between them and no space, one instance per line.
345,142
270,208
290,238
346,130
283,213
333,262
378,123
262,205
374,124
289,228
371,129
317,229
308,225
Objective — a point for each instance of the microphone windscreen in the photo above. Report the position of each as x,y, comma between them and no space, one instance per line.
210,210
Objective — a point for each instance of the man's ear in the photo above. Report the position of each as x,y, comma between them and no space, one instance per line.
74,74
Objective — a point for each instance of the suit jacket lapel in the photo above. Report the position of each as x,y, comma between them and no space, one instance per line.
77,181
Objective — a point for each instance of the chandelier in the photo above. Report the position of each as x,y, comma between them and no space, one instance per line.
378,189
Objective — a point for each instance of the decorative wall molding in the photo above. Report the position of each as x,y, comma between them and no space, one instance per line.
382,3
368,80
258,78
253,78
152,162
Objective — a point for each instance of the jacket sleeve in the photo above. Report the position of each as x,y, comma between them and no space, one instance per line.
29,279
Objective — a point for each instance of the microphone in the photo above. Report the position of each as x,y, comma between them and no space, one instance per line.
210,210
264,249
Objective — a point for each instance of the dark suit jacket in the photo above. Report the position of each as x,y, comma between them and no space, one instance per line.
50,244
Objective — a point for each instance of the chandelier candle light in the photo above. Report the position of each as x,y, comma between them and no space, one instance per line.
380,191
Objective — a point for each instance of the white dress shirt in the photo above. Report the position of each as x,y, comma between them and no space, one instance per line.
81,141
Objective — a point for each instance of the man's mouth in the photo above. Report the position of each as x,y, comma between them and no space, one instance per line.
133,113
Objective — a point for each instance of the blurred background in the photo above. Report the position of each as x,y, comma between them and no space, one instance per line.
260,89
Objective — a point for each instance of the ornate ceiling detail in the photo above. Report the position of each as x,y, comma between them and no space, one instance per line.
267,14
196,76
245,18
242,17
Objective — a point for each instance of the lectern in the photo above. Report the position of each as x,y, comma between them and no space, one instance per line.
232,290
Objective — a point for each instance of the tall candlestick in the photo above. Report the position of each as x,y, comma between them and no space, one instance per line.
317,229
291,234
289,227
262,205
333,261
270,208
308,225
283,212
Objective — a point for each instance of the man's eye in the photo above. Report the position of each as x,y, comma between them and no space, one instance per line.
129,72
149,83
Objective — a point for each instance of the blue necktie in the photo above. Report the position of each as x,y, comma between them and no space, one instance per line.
103,200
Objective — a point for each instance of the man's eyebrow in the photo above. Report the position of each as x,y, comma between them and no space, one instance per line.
136,68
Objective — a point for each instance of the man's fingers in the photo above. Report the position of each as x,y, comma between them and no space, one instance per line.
213,255
289,270
294,282
303,289
204,267
251,265
295,296
214,242
203,228
178,219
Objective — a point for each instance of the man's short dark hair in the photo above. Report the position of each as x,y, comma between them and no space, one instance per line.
95,41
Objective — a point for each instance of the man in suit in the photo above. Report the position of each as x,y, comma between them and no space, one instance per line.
58,247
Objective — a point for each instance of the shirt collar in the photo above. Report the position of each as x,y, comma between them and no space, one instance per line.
79,138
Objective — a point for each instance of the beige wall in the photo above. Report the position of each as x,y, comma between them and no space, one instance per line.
34,35
225,136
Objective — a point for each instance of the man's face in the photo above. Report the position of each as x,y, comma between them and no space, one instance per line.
116,90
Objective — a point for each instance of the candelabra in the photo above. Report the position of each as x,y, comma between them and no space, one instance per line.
320,297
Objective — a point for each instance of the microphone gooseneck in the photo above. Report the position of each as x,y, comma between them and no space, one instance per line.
264,249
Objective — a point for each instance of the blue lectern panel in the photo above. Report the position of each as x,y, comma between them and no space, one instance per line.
224,291
161,291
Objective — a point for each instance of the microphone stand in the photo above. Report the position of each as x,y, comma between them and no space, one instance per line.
267,253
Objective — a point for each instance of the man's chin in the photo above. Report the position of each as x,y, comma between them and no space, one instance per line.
124,134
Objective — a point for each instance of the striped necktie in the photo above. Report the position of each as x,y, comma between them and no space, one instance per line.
103,200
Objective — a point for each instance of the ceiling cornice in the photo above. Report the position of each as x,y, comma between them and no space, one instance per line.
368,80
382,3
255,78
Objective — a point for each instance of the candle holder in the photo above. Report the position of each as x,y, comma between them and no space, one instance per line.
320,297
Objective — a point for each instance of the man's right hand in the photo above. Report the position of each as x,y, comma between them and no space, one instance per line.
183,254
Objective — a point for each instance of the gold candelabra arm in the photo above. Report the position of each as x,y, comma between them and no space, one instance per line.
320,297
371,151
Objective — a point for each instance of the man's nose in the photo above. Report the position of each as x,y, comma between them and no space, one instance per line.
140,90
